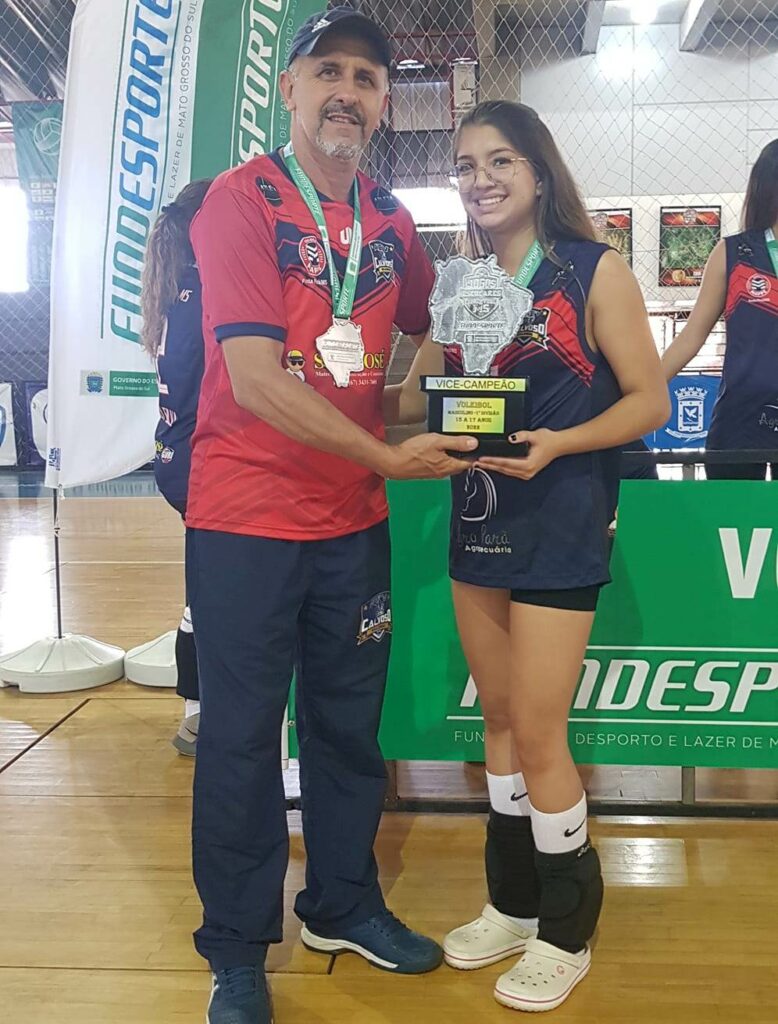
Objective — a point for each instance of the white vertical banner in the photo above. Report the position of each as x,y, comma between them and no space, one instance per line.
7,433
126,151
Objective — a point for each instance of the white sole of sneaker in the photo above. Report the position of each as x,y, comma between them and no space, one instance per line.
461,963
538,1005
318,944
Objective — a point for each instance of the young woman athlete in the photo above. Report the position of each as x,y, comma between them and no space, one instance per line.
529,545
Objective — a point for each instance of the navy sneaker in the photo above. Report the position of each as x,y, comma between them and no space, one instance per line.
240,996
383,941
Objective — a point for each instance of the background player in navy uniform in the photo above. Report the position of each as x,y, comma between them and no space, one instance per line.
173,336
529,548
741,283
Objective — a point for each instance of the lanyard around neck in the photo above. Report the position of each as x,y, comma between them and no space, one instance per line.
529,266
772,249
342,295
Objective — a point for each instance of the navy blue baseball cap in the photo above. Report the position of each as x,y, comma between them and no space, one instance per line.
344,17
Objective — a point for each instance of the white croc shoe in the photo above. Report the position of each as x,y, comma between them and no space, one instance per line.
488,939
543,978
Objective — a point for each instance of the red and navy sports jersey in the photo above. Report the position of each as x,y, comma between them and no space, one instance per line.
746,411
179,374
264,273
548,533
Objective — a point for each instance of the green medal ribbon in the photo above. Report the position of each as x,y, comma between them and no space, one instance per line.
772,249
529,267
342,296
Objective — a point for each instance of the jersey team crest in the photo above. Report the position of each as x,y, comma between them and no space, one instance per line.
758,286
312,255
534,328
383,260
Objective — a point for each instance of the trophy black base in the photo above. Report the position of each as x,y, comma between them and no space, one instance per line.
487,408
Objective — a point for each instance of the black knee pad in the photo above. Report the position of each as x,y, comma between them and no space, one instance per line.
511,875
570,897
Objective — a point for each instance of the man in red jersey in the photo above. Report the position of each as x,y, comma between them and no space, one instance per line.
288,543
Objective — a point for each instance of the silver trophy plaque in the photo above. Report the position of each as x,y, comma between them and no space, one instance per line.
478,307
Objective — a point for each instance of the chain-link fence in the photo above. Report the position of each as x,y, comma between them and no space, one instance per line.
659,108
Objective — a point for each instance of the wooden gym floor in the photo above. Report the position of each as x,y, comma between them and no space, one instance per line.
97,903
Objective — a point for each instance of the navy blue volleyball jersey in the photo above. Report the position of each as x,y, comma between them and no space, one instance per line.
179,375
551,532
746,411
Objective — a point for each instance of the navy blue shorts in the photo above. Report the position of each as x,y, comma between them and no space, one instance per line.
576,599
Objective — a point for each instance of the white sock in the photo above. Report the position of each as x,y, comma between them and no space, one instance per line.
562,832
191,707
186,621
528,923
508,794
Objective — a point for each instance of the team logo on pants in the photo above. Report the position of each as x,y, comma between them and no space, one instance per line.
375,618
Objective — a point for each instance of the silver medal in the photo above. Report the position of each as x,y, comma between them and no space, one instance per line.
342,350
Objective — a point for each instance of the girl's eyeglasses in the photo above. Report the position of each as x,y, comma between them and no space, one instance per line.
500,170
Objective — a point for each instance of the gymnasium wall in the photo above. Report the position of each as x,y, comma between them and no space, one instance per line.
644,125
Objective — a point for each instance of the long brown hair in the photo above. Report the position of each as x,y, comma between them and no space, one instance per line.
168,253
560,213
760,209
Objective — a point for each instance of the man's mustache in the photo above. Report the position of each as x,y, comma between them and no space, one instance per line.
347,111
